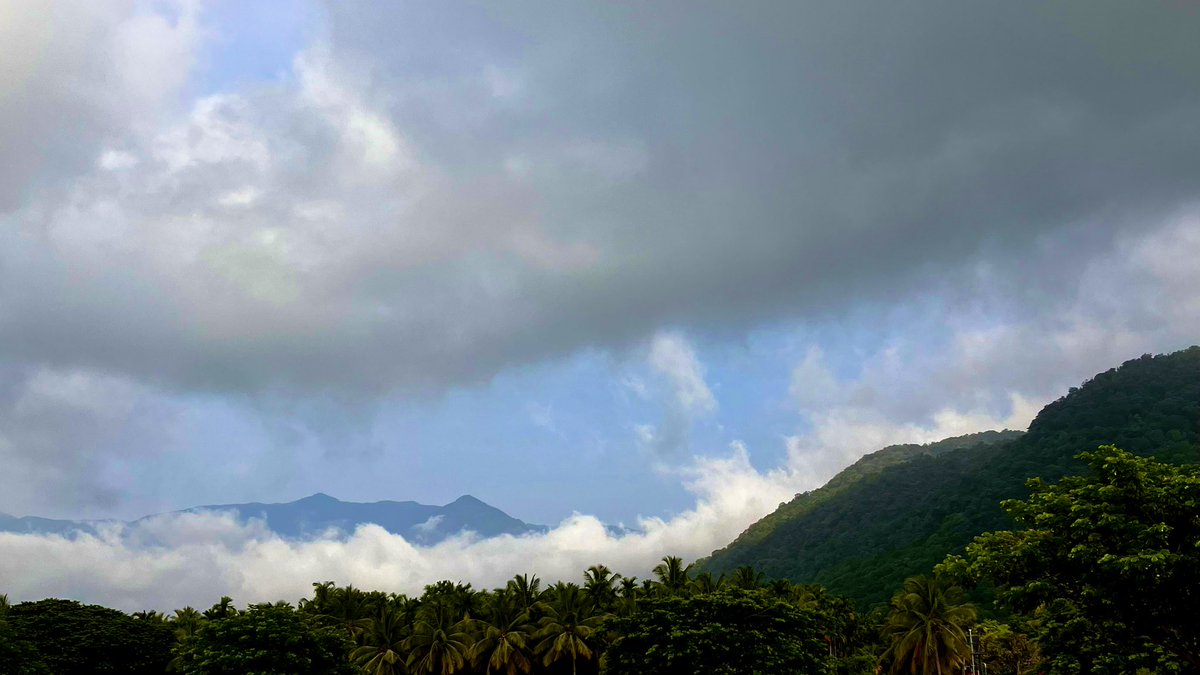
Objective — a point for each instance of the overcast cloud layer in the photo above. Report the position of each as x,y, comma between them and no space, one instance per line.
561,256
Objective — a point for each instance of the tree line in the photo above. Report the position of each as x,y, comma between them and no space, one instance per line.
1101,575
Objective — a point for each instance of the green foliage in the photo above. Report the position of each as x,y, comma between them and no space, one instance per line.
1008,649
522,628
503,636
440,644
568,629
673,576
1108,563
71,637
382,645
186,622
264,640
867,468
927,627
729,632
18,656
937,498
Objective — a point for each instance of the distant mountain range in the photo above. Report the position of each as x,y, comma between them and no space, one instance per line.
316,515
898,512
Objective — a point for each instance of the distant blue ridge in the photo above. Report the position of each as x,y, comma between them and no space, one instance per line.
315,515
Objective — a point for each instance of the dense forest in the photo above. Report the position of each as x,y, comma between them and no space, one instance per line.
898,512
1092,568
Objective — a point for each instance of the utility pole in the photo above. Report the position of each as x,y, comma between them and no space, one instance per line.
971,636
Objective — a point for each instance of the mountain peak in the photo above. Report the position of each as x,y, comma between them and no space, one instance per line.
318,513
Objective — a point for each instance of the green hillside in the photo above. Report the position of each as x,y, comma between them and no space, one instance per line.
899,511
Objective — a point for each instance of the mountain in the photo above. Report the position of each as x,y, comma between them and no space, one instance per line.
901,510
37,525
867,468
418,523
313,516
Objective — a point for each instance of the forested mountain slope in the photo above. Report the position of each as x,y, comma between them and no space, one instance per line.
900,511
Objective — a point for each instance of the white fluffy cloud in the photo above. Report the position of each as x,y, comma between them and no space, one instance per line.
171,561
673,357
78,73
966,371
684,394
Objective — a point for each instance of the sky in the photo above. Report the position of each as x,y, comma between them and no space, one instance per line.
663,264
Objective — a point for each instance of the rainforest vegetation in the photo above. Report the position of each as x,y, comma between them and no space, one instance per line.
898,512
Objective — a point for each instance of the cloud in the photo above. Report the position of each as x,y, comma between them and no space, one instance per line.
958,369
77,74
379,219
686,396
430,523
67,437
426,196
673,357
946,372
170,561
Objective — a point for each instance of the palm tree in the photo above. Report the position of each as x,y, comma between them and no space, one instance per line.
4,604
747,578
808,596
672,574
650,587
927,627
598,584
349,609
459,599
568,631
781,588
382,650
704,583
151,615
322,597
504,633
526,589
186,622
439,644
222,610
629,592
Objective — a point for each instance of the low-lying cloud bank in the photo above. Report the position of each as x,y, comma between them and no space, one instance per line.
182,559
196,558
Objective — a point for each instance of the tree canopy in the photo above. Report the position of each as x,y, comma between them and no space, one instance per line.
732,631
927,627
71,637
265,640
1108,563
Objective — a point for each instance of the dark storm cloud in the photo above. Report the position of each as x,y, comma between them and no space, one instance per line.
797,154
444,191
